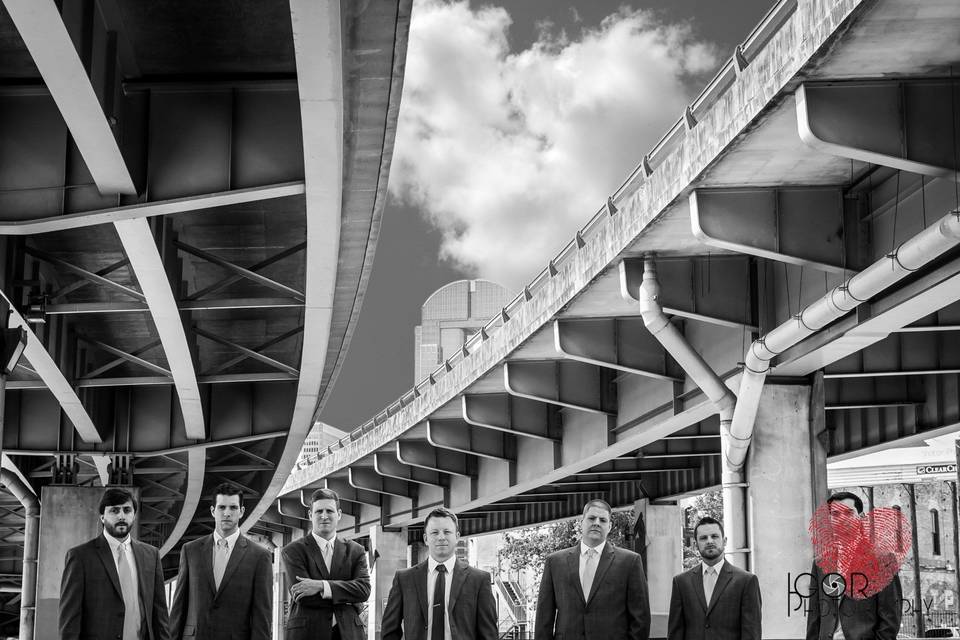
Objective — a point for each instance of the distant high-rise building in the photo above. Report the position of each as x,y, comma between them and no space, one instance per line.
320,437
453,313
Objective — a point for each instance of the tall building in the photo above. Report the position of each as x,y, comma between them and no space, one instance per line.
320,437
450,315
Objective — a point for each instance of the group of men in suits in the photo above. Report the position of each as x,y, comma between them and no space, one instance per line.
112,586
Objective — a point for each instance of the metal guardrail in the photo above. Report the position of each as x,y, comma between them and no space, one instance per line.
743,55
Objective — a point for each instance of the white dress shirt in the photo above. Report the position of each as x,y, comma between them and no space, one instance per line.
431,582
231,542
704,567
127,553
583,556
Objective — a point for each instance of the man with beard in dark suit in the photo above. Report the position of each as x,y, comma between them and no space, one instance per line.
715,599
112,586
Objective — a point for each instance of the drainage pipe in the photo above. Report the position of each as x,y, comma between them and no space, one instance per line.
910,256
734,482
31,542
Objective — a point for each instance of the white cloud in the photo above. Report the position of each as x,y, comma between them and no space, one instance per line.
508,154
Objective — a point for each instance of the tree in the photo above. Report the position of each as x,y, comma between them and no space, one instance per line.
710,504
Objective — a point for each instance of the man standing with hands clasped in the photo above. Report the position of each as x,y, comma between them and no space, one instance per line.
714,599
442,598
593,591
329,577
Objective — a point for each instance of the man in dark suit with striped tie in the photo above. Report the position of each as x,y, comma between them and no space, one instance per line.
714,600
442,598
225,585
112,586
328,575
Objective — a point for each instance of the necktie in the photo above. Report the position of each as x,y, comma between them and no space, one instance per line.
326,553
131,600
589,570
709,581
220,561
439,606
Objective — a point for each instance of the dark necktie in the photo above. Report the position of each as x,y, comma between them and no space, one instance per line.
439,607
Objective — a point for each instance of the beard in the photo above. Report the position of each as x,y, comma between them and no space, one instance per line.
114,530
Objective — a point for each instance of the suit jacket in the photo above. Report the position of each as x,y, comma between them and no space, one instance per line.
240,609
471,610
91,604
349,581
617,607
733,612
875,617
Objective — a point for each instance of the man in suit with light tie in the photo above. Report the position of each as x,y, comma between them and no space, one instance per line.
442,598
112,586
593,591
714,600
225,585
329,577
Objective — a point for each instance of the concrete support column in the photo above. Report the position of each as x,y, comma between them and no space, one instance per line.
282,585
664,543
391,546
68,517
781,479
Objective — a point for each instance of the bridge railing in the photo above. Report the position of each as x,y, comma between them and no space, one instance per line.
743,55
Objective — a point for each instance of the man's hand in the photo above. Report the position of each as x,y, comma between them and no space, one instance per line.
305,587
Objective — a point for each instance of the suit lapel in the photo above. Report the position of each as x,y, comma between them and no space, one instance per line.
206,562
420,580
144,569
313,550
459,577
109,564
236,559
606,559
695,576
573,566
722,580
338,558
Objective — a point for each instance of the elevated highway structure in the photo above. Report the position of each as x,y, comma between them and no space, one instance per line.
775,283
190,200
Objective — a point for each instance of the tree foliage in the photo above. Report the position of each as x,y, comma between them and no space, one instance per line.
705,504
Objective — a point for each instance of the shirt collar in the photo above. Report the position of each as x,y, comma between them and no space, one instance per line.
231,539
599,548
323,542
717,567
114,543
448,563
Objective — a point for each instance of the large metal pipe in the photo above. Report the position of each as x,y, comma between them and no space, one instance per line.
913,254
733,479
31,544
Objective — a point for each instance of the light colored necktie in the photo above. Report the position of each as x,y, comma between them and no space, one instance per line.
131,599
220,561
709,582
326,553
589,571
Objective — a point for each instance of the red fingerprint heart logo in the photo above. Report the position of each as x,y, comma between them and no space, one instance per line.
859,554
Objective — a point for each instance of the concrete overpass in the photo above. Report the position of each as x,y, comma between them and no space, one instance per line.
190,199
776,283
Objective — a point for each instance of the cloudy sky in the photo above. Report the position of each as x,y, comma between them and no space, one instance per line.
518,119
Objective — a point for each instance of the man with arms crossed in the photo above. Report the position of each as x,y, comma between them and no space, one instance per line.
329,577
225,585
112,586
593,591
715,599
442,598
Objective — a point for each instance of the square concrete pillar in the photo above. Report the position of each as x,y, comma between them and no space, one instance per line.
68,517
664,528
391,546
780,472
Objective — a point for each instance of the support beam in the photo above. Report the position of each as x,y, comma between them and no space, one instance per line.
512,414
245,272
352,494
223,304
615,343
457,435
388,466
196,464
127,357
89,276
574,385
369,480
424,455
801,226
909,125
250,353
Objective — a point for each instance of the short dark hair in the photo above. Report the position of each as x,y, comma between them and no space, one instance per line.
324,494
226,489
847,495
113,497
602,504
441,512
707,520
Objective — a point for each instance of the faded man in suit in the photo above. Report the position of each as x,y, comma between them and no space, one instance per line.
112,586
225,586
593,591
832,613
714,600
442,598
329,577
